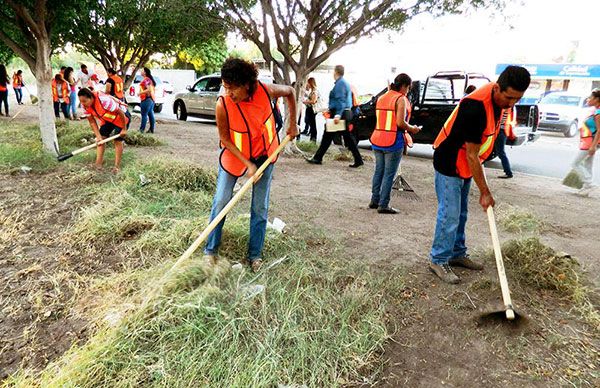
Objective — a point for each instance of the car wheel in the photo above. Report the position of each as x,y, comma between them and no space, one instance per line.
572,130
180,111
158,108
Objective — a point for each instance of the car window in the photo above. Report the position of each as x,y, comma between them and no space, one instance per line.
157,80
213,85
200,86
561,100
439,91
138,79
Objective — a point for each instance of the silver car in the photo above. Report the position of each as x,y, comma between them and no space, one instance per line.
562,112
200,99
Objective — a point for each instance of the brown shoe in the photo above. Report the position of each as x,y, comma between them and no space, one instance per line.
256,264
444,272
210,260
465,262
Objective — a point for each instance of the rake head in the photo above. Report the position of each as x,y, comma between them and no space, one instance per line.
401,188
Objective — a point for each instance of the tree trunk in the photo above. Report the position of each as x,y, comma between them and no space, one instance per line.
43,75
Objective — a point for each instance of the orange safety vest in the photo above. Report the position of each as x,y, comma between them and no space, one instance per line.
17,81
98,111
586,137
386,128
64,92
252,129
3,88
117,90
483,94
144,96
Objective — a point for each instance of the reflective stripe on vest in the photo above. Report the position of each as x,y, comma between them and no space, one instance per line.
386,125
483,94
105,116
243,129
64,92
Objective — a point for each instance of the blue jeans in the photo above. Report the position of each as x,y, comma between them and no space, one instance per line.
258,212
500,146
147,108
386,167
73,104
19,95
453,198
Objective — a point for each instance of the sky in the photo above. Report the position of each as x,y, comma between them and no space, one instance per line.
538,31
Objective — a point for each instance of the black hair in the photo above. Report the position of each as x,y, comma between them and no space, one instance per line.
63,68
111,71
470,89
58,77
85,92
596,93
83,66
401,80
239,72
149,75
19,72
3,75
515,77
68,72
339,69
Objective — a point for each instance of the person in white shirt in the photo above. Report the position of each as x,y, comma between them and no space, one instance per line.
84,76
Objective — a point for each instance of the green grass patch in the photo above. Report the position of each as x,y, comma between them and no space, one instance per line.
515,220
307,146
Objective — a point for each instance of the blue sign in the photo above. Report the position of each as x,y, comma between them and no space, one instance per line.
565,70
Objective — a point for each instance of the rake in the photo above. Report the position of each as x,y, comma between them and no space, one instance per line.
401,188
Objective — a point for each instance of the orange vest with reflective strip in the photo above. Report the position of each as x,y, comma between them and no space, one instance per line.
63,92
150,86
386,127
98,111
17,81
117,90
483,94
254,136
586,137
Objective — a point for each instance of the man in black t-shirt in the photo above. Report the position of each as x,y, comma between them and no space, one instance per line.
464,142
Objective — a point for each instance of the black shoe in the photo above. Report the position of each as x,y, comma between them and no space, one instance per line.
314,161
356,164
373,205
505,176
387,210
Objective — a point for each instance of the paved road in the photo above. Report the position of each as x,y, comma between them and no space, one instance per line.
551,155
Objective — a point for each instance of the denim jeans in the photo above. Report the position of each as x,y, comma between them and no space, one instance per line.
147,108
500,146
258,212
453,198
61,107
73,104
19,95
4,101
386,167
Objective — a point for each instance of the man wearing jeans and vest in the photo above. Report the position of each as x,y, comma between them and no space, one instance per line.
340,105
248,134
464,143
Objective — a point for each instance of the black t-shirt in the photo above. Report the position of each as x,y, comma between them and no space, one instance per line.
468,127
112,86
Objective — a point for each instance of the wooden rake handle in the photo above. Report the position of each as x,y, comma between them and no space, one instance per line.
510,313
236,198
88,147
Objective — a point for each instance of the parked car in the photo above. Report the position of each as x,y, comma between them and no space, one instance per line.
434,99
200,99
169,89
562,112
133,99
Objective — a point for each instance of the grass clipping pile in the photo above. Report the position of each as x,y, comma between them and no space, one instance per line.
308,320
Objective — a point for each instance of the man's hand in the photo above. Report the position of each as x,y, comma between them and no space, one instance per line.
592,151
292,130
416,129
251,170
486,200
336,119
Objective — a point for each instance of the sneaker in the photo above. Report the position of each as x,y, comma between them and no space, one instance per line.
314,161
387,210
505,176
373,205
465,262
256,264
209,260
356,164
444,272
585,191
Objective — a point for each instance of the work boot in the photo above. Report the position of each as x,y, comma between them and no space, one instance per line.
387,210
314,161
444,272
356,164
256,264
465,262
373,205
505,176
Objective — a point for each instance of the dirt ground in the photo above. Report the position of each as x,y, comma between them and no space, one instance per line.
436,342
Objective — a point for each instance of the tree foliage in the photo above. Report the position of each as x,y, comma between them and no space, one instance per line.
204,56
6,54
125,33
308,32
